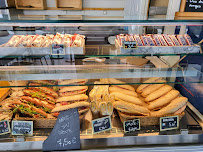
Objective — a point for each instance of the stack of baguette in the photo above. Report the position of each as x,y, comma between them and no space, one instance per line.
161,98
101,101
126,99
72,96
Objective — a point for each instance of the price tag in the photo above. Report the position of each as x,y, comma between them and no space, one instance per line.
129,44
58,49
194,6
22,128
4,127
131,125
66,132
101,124
169,123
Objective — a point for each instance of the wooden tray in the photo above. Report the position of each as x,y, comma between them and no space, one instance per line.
145,120
69,4
31,4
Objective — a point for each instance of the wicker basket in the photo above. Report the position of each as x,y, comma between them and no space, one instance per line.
145,120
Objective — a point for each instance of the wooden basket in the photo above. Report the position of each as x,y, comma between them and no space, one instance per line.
31,5
38,122
69,4
145,120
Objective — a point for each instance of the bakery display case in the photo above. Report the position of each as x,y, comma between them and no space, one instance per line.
107,69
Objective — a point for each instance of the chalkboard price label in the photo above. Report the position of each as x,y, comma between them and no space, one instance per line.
22,128
66,132
101,124
4,127
169,123
131,125
194,6
130,44
58,49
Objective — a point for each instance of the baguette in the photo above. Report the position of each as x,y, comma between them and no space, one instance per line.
143,86
73,81
130,108
72,98
127,98
115,81
152,88
167,98
118,89
158,93
71,106
174,106
73,88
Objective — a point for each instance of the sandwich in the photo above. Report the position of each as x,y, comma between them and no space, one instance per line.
123,97
158,93
176,106
44,82
144,86
164,100
124,91
39,95
73,82
130,108
123,86
72,90
69,102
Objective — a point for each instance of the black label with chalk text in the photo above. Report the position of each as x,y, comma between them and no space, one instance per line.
130,44
4,127
169,123
101,124
194,6
131,125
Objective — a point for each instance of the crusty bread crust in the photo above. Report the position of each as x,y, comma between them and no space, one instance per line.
158,93
171,108
143,86
73,88
118,89
153,87
72,81
72,98
71,106
164,100
127,98
115,81
130,108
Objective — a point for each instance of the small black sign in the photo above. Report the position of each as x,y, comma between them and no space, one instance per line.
58,49
101,124
194,6
66,132
4,127
130,44
131,125
169,123
22,128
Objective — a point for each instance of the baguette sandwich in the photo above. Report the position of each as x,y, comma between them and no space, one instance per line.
69,102
72,90
123,86
73,82
124,91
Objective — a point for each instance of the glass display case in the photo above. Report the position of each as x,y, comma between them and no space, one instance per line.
125,69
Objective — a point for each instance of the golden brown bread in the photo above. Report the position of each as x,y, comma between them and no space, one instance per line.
143,86
124,91
72,98
130,108
115,81
153,87
167,98
171,108
158,93
127,98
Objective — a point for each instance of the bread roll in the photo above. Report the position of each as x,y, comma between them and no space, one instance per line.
71,106
72,98
142,86
167,98
130,108
158,93
153,87
115,81
73,81
174,106
127,98
118,89
73,88
180,110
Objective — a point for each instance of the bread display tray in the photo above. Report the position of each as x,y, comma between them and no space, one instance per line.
158,49
146,120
